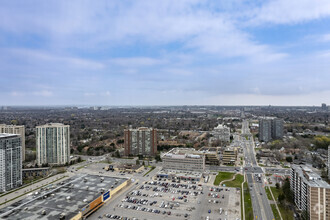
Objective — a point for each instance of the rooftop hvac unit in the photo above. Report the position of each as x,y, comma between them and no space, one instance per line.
43,212
68,198
85,200
62,216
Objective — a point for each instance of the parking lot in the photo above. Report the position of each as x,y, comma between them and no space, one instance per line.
164,199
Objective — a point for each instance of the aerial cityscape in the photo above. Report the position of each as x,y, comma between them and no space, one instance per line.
148,110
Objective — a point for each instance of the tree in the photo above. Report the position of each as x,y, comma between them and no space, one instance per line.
79,159
143,163
117,154
137,162
277,185
157,158
289,159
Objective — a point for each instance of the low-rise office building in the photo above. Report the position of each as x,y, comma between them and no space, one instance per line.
311,194
36,172
186,159
211,155
229,156
222,133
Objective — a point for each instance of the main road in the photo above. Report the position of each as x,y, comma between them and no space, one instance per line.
260,203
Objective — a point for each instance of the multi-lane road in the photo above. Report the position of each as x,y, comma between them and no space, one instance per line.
254,173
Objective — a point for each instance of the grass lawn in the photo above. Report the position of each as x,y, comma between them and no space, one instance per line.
269,196
275,212
247,203
237,182
222,176
287,214
276,192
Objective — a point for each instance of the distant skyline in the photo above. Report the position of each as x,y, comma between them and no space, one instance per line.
195,52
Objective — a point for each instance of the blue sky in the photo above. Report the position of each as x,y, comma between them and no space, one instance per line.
229,52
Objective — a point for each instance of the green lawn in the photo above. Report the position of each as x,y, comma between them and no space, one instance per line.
275,212
237,182
276,192
222,176
247,203
269,196
287,214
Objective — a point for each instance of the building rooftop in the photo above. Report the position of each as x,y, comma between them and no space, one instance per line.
5,135
181,153
310,177
52,125
67,197
12,126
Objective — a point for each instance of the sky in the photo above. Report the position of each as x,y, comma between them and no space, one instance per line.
165,52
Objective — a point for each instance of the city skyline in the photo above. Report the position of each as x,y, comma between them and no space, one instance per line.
165,53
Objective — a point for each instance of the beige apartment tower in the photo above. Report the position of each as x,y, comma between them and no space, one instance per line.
53,144
15,129
311,194
140,141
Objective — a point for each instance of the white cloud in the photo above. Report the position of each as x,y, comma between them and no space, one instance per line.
291,11
137,61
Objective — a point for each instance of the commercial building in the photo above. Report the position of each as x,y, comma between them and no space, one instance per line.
75,198
10,162
229,156
185,159
270,128
15,129
140,141
211,155
222,133
311,194
53,144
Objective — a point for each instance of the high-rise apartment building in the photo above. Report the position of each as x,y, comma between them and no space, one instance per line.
140,141
10,161
15,129
53,144
277,128
265,130
270,128
324,107
311,194
328,162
